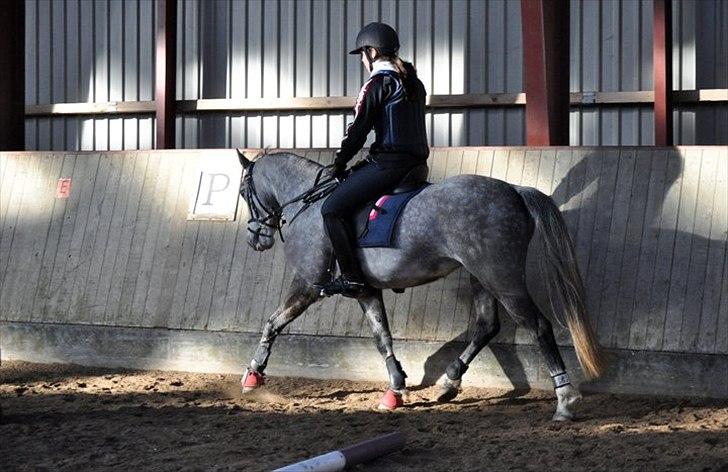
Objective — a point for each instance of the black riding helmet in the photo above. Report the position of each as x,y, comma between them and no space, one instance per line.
380,36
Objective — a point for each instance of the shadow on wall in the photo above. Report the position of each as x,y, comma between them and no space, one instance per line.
650,255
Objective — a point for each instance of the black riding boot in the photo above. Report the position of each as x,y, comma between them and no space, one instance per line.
351,282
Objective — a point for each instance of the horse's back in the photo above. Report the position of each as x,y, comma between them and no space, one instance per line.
465,198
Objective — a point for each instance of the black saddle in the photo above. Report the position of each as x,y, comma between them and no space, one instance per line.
413,180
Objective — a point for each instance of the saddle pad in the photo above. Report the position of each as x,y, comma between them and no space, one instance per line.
379,230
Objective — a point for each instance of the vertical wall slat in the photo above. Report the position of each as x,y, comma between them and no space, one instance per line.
172,215
167,301
128,210
614,251
599,239
709,332
158,202
45,237
657,187
697,283
681,250
9,207
15,242
75,261
628,281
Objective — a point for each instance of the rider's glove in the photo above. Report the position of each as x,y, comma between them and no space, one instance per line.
340,166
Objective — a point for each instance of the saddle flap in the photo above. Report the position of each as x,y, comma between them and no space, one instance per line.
374,223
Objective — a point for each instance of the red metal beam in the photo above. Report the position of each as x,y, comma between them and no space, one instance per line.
12,78
545,31
166,59
662,71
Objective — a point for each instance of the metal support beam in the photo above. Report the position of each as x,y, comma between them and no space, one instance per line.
12,78
662,71
545,34
472,100
166,43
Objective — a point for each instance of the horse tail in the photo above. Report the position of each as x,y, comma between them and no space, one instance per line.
565,287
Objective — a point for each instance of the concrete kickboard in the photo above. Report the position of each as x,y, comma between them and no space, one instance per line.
500,365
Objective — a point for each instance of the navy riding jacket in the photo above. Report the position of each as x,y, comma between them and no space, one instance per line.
395,108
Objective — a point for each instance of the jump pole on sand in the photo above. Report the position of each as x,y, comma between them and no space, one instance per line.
339,460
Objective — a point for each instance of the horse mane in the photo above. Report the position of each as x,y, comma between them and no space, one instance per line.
294,161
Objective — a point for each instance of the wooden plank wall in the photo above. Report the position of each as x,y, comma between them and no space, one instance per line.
650,228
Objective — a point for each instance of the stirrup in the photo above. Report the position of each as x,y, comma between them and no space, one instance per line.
342,286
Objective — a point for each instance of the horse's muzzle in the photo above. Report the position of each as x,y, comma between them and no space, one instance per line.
260,240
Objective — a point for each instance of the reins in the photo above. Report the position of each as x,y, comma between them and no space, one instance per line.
321,189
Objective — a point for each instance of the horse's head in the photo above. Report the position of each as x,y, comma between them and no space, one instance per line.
263,222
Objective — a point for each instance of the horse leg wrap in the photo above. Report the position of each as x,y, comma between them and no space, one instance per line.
456,369
396,374
260,358
561,380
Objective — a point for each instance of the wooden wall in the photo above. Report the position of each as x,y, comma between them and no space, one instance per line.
650,227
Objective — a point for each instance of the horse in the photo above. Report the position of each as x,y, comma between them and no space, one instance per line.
481,224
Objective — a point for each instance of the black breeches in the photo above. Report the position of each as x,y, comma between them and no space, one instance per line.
365,184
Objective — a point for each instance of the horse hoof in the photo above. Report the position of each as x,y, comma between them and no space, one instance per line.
252,380
449,390
391,400
567,396
562,416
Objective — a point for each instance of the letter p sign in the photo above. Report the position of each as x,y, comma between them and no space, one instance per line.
215,194
217,183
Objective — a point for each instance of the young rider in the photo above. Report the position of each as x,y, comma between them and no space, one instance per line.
392,101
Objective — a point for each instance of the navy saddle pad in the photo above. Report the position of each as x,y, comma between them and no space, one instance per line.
375,222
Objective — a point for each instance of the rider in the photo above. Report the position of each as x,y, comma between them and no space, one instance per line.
392,101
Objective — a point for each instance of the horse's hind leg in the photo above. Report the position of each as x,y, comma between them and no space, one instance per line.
486,327
373,306
300,296
524,311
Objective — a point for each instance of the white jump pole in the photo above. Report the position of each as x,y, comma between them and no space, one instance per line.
339,460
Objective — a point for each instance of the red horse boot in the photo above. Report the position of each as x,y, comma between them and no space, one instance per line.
252,380
391,400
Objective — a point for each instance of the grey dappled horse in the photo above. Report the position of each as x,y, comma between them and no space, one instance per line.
481,224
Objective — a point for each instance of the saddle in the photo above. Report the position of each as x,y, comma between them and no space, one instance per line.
384,211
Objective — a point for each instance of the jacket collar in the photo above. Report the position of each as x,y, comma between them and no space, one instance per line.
380,66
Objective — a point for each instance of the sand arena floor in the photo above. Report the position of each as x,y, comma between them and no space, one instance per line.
76,418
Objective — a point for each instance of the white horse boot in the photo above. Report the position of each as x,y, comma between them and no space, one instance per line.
567,395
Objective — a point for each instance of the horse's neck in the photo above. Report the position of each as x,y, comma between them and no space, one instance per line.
286,179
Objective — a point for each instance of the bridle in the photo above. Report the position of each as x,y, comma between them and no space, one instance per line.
273,218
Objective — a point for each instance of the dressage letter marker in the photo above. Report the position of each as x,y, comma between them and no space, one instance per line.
215,190
63,188
350,456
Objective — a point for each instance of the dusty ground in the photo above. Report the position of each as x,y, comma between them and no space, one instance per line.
73,418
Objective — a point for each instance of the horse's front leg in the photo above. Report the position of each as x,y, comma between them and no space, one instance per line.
373,306
300,296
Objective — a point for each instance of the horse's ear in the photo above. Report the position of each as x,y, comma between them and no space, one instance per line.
244,161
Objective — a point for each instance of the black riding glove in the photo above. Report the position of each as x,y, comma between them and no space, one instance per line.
340,166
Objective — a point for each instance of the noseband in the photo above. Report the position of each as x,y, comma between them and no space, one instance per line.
274,219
